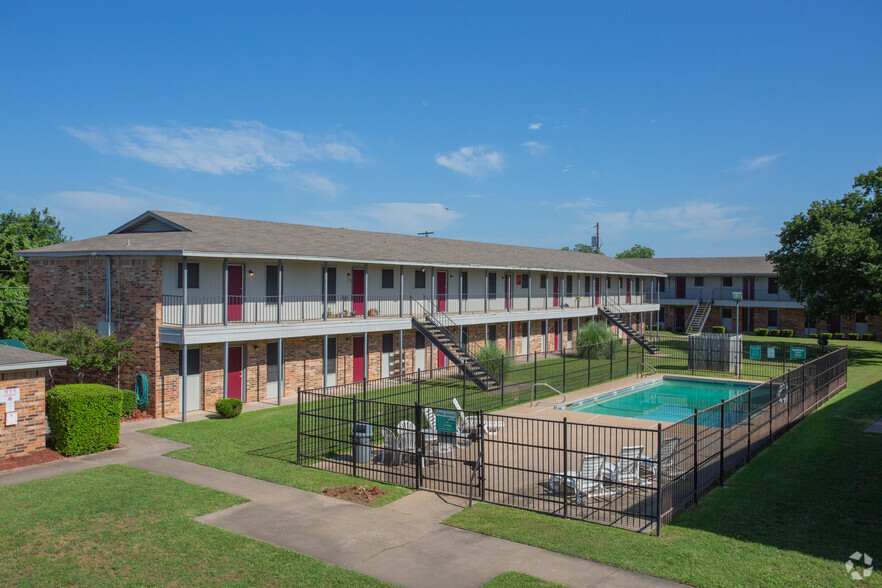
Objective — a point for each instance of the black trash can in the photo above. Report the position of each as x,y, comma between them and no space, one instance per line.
362,435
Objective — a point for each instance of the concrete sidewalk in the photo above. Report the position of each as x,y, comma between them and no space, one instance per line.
402,542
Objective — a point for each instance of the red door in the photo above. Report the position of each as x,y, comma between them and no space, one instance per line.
681,288
596,291
358,292
680,317
441,293
357,357
442,359
556,291
749,288
235,289
234,371
628,293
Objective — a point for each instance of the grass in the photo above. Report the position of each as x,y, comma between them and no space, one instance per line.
120,525
519,580
260,444
791,517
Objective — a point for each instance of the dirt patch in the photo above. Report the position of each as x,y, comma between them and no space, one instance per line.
138,415
356,494
37,457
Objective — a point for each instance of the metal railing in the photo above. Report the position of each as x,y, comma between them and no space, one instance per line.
560,402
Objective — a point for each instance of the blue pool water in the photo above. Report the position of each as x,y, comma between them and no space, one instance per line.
667,399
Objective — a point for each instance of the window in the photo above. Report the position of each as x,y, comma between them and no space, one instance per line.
542,328
272,282
491,287
491,333
419,341
569,285
388,279
773,319
465,285
543,281
727,281
773,285
727,313
620,283
464,337
272,362
332,286
193,360
525,331
661,284
699,282
860,317
525,281
587,284
387,341
419,279
608,283
331,366
192,275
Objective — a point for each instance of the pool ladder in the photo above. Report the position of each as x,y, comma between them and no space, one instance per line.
556,403
643,372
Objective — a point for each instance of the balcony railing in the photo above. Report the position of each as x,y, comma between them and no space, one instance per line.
209,310
725,294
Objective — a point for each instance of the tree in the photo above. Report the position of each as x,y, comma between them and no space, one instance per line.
17,232
637,252
84,349
580,247
830,257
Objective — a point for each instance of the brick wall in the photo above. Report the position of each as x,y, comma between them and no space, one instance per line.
29,435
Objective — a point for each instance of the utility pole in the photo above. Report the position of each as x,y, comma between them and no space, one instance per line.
595,241
426,233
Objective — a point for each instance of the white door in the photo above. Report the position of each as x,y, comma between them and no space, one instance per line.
272,371
194,382
331,365
387,365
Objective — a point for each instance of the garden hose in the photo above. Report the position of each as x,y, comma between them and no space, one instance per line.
141,390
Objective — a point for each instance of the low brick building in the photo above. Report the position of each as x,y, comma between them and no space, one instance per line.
23,393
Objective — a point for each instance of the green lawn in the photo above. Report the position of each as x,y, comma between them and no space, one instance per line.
519,580
791,517
123,526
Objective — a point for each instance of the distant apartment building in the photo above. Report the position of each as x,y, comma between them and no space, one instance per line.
225,307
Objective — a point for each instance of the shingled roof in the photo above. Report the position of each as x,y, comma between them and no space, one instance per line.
176,233
15,359
708,266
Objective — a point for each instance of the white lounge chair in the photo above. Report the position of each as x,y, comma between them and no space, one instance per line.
588,481
390,455
406,440
628,468
667,452
491,426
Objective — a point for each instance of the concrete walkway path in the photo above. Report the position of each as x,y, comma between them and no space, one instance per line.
402,542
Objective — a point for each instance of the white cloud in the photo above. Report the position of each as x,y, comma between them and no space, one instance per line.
535,148
566,169
310,182
703,221
243,147
425,102
474,196
474,161
534,126
395,217
581,204
762,161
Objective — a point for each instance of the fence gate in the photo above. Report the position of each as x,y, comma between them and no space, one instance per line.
452,452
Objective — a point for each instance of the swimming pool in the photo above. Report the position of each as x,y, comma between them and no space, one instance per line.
667,399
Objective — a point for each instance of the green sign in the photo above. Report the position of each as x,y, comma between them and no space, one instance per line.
756,352
445,420
797,353
736,296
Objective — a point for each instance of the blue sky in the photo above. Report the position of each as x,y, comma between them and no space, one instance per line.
693,128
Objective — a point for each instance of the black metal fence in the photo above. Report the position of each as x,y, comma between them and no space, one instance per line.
635,476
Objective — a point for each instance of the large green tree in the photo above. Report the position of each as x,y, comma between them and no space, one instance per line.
580,247
637,252
830,257
21,231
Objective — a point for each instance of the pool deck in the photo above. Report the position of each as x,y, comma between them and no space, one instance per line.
549,412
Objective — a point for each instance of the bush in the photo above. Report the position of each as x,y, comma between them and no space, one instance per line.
84,418
494,359
853,336
593,340
129,403
813,335
774,332
786,332
679,330
867,336
228,408
826,335
718,329
761,332
838,336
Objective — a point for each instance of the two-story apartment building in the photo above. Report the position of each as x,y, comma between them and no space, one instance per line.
224,307
698,294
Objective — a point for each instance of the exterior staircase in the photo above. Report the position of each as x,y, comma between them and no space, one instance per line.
435,327
699,315
612,314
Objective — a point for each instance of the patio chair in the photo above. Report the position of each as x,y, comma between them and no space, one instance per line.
390,455
588,481
491,426
628,468
668,452
406,444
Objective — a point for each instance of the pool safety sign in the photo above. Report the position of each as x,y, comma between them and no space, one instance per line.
797,353
445,420
756,352
770,352
9,396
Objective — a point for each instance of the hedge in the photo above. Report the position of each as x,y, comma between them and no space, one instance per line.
853,336
84,418
228,408
129,402
718,329
786,332
867,336
838,336
826,335
813,335
760,332
774,332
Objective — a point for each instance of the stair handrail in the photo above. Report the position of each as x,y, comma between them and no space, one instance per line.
560,402
693,311
710,303
444,321
615,308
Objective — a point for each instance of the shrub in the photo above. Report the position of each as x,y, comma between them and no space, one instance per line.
494,359
84,418
786,332
718,329
228,408
838,336
129,402
774,332
679,330
813,335
826,335
596,340
853,336
761,332
867,336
